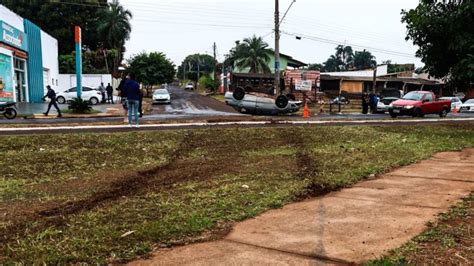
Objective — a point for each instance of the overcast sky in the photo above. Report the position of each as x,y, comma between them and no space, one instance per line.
182,27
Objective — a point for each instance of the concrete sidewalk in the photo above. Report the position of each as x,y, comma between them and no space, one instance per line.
349,226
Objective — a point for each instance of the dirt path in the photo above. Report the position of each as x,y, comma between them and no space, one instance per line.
350,226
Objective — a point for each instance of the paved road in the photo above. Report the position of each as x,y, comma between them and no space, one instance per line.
191,104
58,129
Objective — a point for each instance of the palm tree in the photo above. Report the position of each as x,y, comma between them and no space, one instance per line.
345,54
254,54
364,60
114,29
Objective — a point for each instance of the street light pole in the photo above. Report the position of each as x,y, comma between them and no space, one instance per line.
277,47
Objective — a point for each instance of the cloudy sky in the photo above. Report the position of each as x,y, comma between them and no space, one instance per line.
182,27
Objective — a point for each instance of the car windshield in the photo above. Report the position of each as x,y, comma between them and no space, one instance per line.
414,96
161,91
470,101
190,84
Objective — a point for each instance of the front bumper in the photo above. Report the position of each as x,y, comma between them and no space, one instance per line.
161,100
400,111
467,109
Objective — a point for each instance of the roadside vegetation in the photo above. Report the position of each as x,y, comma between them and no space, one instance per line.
99,198
448,241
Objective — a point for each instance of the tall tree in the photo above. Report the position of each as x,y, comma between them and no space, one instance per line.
59,18
315,66
364,60
151,69
114,29
444,33
190,63
345,56
333,64
253,53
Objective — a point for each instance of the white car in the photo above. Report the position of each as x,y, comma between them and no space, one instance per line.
88,94
455,102
161,96
260,104
468,106
189,86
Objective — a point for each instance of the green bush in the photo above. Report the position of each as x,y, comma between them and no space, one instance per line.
207,83
80,106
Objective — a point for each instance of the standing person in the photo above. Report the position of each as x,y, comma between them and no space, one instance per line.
365,103
102,91
123,97
132,90
51,94
372,102
110,94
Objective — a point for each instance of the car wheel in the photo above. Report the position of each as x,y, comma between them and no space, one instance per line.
418,113
239,93
61,100
94,100
393,115
281,102
10,113
443,113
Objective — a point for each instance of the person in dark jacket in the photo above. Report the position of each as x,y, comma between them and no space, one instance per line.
51,94
131,89
373,102
365,103
110,94
123,97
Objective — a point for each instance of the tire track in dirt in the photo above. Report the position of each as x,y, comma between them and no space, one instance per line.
124,186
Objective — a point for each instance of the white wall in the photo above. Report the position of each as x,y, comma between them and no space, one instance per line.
381,71
67,81
11,18
49,47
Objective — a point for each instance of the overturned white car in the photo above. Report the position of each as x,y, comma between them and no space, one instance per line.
257,103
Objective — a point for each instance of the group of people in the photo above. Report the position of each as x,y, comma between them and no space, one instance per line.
129,92
109,91
369,100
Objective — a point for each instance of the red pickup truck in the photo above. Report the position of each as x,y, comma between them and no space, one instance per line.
418,104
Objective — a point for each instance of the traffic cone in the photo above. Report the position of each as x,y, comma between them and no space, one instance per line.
306,111
455,110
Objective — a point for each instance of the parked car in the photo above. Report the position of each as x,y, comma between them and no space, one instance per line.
340,100
189,86
467,106
161,96
384,103
418,104
88,94
455,102
260,104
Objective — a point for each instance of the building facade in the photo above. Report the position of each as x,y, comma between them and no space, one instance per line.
28,59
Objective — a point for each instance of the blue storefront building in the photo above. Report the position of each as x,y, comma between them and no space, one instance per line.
28,59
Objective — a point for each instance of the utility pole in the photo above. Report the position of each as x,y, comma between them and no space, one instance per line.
277,47
215,62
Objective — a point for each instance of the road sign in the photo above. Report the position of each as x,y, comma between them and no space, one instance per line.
303,85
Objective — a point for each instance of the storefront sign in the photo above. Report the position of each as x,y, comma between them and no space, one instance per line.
6,78
303,85
12,36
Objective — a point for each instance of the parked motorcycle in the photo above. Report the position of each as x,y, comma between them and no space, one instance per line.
8,109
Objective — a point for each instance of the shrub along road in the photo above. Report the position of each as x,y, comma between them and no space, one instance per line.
101,198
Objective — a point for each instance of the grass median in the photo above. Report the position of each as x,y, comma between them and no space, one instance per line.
99,198
448,241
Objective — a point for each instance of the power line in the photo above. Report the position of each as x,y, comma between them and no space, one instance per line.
202,24
329,41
